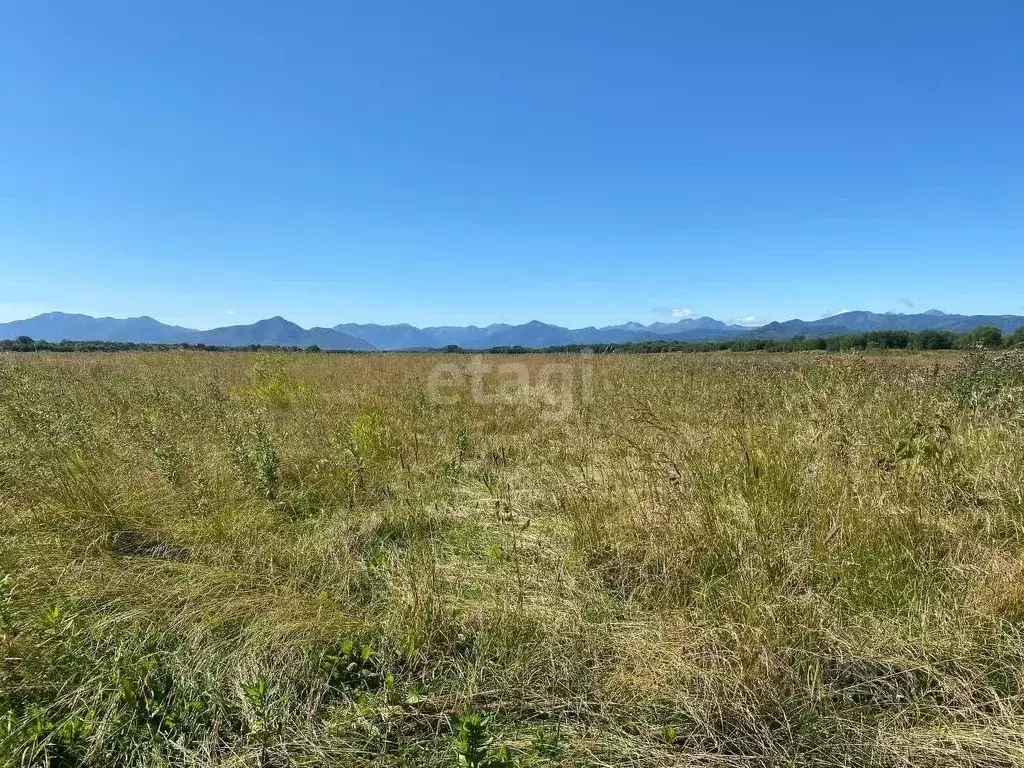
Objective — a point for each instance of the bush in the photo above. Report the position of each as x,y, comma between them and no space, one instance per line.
990,381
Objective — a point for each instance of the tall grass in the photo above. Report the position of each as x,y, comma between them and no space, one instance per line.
285,560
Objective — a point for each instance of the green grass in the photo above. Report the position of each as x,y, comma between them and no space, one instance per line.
707,560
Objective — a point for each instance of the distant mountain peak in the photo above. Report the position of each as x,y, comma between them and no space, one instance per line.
630,326
60,315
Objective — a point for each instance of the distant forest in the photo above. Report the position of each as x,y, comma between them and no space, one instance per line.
985,337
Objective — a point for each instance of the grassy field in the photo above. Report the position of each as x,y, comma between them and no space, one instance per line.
660,560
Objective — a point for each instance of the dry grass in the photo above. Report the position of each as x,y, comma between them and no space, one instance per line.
277,560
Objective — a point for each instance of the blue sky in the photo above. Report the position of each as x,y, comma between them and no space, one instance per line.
579,162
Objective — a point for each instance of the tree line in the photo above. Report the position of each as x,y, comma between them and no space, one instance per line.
27,344
985,337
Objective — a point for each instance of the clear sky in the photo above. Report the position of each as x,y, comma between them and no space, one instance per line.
574,161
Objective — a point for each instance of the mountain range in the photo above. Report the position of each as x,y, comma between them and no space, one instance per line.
276,331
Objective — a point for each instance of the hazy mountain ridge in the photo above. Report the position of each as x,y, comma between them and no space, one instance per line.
274,331
863,322
277,331
534,334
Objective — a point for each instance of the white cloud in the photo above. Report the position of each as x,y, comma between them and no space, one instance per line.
744,320
834,312
680,313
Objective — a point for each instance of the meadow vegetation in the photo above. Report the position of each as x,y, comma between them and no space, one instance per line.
726,559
